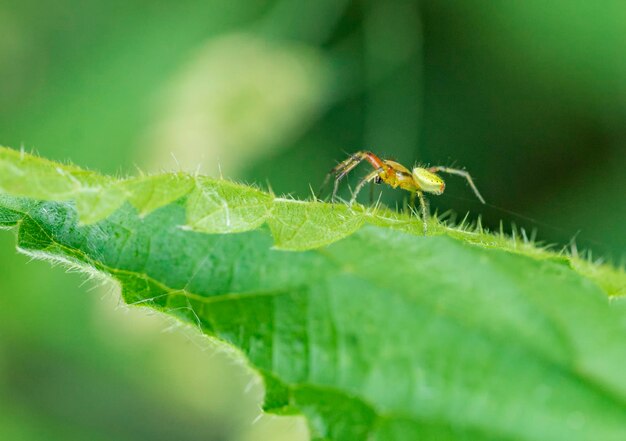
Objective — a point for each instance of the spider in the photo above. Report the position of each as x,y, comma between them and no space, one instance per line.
418,181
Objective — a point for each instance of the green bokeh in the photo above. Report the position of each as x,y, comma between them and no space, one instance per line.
528,96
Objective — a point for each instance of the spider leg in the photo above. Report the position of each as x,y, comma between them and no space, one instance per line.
344,167
367,179
463,173
424,210
339,171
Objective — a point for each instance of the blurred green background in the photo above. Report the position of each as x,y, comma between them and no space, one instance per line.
528,96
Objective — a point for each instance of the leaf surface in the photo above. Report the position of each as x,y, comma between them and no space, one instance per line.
350,315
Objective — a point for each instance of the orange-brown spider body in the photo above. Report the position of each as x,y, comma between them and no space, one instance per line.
396,175
417,181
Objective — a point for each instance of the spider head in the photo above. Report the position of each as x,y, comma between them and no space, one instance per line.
427,181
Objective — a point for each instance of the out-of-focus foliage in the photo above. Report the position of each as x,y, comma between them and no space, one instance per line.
529,96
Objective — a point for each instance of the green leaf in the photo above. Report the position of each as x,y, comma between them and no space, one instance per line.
350,315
